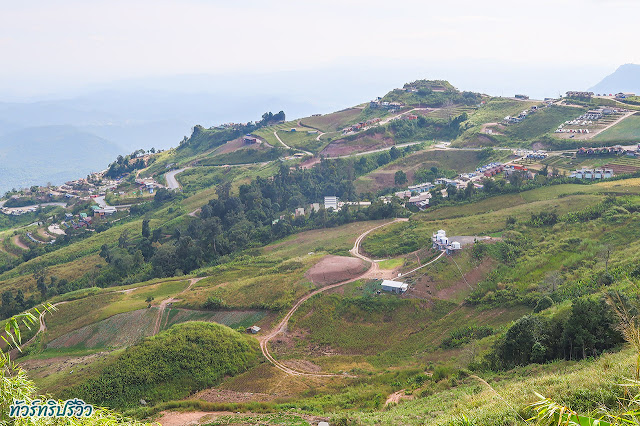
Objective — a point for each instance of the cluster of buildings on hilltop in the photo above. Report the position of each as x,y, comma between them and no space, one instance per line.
81,220
589,95
419,194
250,140
360,126
587,119
579,94
520,117
379,103
19,211
440,241
624,95
234,125
330,202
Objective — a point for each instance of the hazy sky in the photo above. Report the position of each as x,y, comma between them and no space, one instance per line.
50,46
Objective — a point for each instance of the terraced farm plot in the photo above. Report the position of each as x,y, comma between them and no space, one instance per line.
333,122
266,133
376,329
82,312
67,270
128,328
589,161
571,163
361,143
453,111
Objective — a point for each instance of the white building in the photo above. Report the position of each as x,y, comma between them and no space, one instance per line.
394,286
331,203
421,187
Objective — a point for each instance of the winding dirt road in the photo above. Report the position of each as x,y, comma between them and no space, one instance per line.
43,326
282,326
288,147
163,305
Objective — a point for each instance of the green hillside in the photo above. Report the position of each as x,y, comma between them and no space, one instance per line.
153,302
627,131
181,360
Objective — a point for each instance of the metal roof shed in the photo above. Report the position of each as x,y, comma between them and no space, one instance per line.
394,286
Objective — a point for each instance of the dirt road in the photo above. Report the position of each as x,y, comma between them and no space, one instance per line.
43,326
163,305
288,147
17,242
282,326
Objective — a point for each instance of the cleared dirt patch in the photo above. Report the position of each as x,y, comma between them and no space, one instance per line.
235,145
16,240
332,269
173,418
302,365
395,397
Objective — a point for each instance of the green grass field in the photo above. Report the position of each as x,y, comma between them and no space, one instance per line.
301,139
627,131
496,109
541,122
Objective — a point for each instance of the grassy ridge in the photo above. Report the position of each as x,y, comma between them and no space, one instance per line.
628,130
186,358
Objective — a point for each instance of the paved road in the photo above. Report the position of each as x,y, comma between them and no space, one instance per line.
102,203
170,177
264,341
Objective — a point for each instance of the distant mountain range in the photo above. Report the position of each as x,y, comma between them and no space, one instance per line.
37,155
625,79
121,117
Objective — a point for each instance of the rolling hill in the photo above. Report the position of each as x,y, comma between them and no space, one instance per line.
625,79
241,244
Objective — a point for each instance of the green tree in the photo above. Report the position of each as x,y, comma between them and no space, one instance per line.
146,232
394,153
400,178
